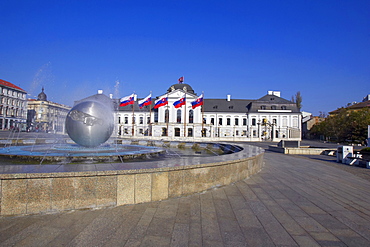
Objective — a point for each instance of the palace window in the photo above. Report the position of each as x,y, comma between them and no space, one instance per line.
253,121
191,116
164,131
177,131
178,116
236,121
220,121
156,116
190,132
166,116
244,121
285,122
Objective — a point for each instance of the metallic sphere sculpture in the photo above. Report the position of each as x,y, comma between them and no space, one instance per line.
89,123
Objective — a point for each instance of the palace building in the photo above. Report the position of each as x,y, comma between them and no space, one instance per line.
13,106
267,118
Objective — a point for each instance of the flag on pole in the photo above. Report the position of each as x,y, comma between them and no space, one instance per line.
181,79
146,101
197,102
161,102
180,102
128,100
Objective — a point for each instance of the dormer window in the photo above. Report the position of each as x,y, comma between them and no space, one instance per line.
283,107
263,107
273,107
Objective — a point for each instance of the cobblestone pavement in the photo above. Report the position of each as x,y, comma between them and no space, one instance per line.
293,201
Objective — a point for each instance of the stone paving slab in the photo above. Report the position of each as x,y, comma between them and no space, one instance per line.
293,201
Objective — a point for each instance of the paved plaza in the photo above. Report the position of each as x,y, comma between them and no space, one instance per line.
293,201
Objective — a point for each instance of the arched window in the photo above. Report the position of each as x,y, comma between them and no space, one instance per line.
156,116
253,121
178,118
244,121
236,121
166,116
191,116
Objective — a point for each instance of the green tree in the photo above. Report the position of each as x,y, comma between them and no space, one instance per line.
345,126
297,99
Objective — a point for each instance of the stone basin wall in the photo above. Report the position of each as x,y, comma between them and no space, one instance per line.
40,193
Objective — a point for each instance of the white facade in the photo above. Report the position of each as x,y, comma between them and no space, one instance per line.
226,120
13,106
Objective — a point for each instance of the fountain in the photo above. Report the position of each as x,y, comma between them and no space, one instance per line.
89,124
95,171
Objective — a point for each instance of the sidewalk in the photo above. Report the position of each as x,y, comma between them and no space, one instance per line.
293,201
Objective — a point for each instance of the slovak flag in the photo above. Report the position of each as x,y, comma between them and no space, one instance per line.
146,101
181,79
128,100
197,102
161,102
180,102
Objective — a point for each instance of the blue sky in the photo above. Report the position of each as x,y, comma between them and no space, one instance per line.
243,48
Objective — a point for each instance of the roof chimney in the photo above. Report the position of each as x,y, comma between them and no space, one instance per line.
275,93
100,91
228,97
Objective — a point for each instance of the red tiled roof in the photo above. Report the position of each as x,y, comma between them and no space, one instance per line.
8,84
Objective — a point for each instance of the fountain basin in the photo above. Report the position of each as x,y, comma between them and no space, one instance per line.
40,189
74,153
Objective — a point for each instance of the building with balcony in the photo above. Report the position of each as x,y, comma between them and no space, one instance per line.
13,106
46,116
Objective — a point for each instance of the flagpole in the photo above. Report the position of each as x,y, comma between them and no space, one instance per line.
133,116
185,118
203,116
168,119
150,115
